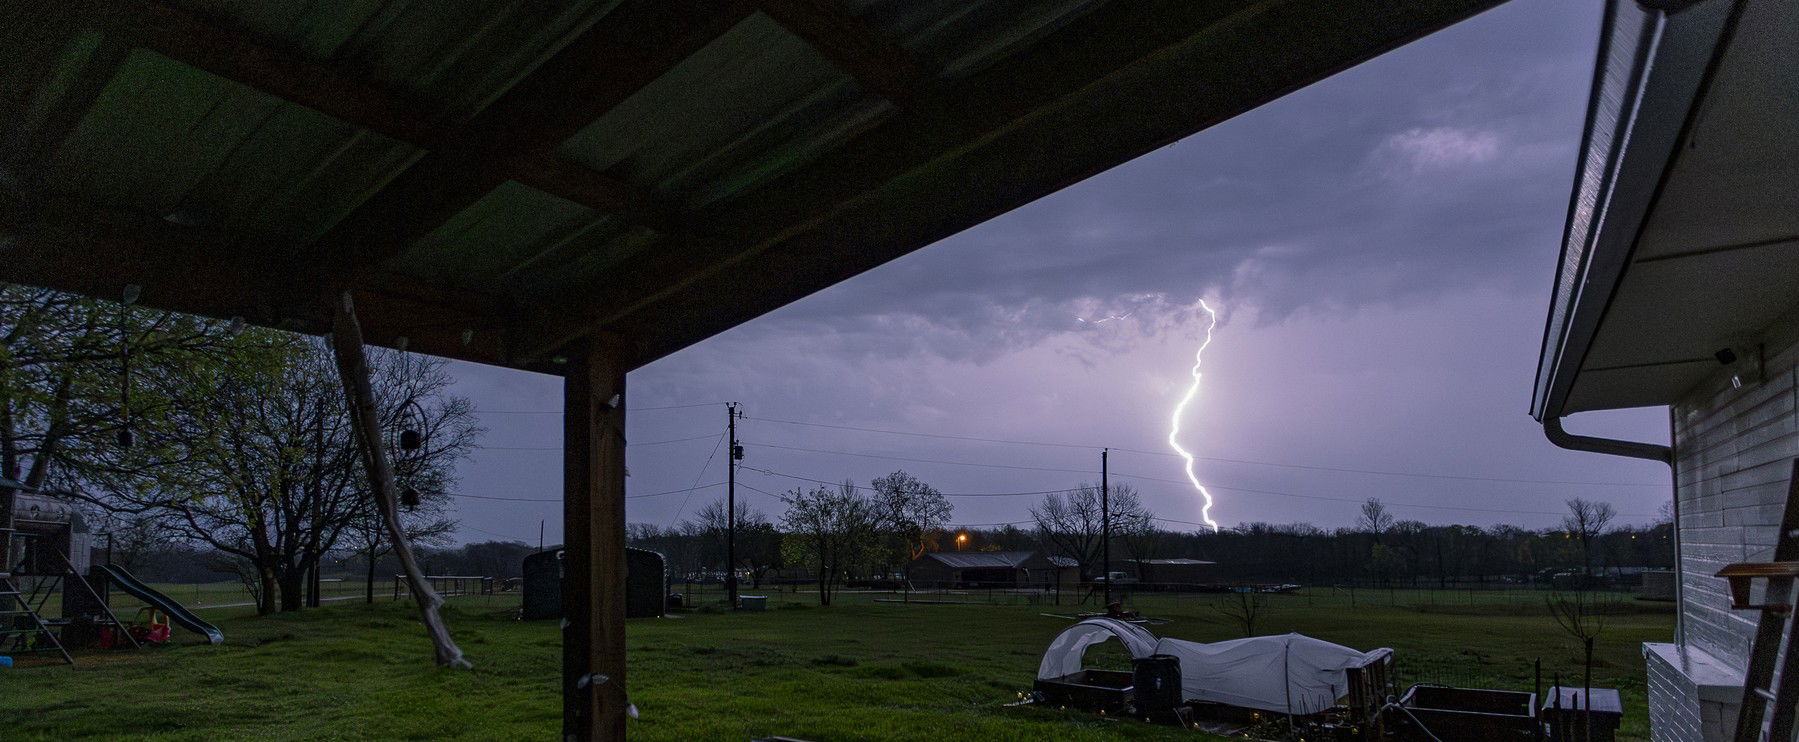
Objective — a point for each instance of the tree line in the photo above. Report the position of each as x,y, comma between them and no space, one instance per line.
170,428
832,534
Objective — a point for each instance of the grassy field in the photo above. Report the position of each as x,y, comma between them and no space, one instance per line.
858,670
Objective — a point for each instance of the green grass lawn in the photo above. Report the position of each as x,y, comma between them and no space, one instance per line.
858,670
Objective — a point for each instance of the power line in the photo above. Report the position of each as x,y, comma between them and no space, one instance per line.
919,435
945,494
505,499
628,444
674,492
491,533
1135,476
1354,500
558,499
628,409
1274,493
696,479
924,461
1220,459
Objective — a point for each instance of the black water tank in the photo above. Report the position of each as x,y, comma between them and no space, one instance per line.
1157,679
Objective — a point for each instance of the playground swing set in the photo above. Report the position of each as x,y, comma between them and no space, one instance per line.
46,551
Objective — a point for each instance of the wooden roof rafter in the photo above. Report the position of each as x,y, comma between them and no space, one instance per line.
348,96
635,43
779,194
878,63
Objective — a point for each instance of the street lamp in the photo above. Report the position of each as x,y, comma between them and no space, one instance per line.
961,540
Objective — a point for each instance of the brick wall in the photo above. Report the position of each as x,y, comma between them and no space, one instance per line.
1673,703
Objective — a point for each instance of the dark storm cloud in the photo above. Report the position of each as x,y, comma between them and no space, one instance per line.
1381,243
1472,130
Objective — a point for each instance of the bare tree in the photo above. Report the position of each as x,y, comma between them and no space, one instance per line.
832,528
912,514
1586,520
130,537
1135,525
758,543
1583,614
1245,605
1070,523
258,459
1374,518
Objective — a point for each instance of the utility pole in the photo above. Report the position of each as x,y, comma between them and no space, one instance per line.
734,455
1105,526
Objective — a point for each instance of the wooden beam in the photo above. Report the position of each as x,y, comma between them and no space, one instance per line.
238,56
1096,93
877,62
955,118
593,561
345,95
633,45
68,245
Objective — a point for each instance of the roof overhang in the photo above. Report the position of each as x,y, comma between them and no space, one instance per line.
1681,249
497,181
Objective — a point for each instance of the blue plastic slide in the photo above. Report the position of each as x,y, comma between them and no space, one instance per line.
177,612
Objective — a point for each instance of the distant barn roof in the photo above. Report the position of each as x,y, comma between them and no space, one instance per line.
498,180
982,559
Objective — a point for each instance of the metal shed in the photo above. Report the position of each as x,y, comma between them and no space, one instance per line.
646,584
580,188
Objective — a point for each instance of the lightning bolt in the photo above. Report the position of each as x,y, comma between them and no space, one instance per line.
1205,513
1103,320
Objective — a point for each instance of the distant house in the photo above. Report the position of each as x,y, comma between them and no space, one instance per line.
991,569
1176,571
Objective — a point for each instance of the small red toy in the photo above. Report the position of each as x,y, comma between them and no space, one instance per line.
155,631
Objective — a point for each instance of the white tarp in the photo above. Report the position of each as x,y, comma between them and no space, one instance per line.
1291,673
1064,654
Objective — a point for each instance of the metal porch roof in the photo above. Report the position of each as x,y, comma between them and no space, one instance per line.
499,180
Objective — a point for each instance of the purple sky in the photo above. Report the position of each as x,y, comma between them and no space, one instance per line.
1380,246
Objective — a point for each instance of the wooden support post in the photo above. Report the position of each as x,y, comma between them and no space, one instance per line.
593,561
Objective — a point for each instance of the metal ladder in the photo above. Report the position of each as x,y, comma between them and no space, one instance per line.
20,633
1774,628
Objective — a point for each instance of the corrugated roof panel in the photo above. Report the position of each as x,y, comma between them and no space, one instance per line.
785,142
163,137
297,174
981,559
478,246
755,79
958,38
460,52
156,130
589,256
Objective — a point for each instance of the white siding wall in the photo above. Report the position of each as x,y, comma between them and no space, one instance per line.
1734,451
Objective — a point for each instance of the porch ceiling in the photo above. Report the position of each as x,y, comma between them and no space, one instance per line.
498,180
